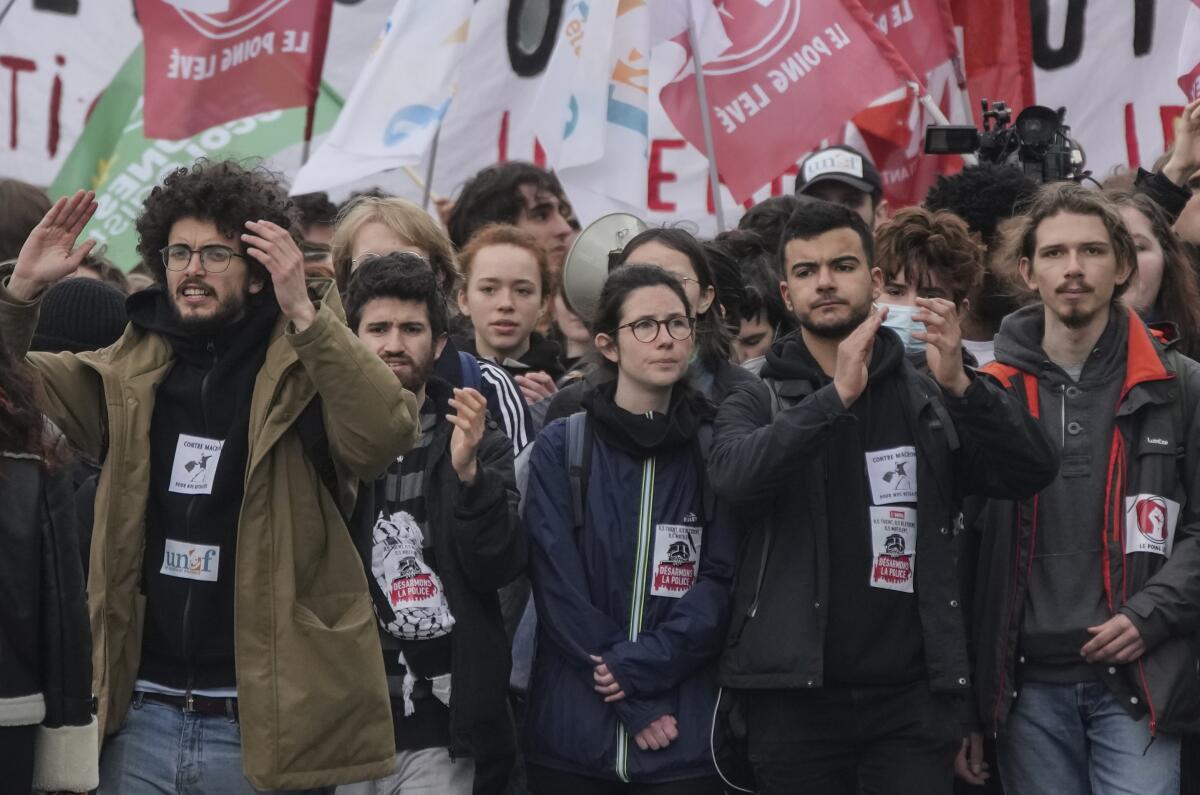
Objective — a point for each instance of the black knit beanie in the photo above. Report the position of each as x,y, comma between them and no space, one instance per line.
80,314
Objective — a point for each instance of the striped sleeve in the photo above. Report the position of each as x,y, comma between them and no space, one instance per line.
507,403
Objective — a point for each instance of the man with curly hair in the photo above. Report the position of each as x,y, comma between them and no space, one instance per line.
232,625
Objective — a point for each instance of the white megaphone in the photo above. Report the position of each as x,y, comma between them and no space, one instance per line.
593,254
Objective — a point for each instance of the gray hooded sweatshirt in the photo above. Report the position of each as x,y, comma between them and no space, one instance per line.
1066,588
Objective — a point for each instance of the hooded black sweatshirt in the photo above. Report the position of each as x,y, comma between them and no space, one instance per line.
199,441
873,634
543,355
1066,588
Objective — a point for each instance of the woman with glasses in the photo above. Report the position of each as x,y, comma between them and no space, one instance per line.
709,369
631,563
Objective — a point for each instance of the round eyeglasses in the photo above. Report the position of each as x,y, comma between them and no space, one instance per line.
214,258
647,329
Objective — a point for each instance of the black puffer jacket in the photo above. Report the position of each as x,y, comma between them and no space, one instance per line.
45,642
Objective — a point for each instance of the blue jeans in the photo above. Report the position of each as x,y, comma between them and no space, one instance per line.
1075,739
162,750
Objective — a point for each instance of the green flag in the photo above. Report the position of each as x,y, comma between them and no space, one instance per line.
114,158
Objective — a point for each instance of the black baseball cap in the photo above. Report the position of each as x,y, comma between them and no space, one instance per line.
843,164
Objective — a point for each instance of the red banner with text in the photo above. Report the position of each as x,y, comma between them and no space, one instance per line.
212,61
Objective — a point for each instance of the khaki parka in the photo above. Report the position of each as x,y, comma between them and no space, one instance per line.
312,695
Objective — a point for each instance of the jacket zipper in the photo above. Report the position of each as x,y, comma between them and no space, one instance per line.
637,604
187,600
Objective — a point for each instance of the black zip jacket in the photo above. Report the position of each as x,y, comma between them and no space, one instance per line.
189,619
45,643
479,546
773,468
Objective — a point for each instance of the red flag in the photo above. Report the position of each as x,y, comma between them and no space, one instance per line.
213,61
998,51
922,31
794,74
894,132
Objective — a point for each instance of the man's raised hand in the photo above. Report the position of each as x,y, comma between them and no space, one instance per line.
854,356
273,246
49,254
943,344
1185,157
470,421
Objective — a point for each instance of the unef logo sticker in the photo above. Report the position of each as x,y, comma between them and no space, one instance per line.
1150,524
833,161
676,559
195,466
191,561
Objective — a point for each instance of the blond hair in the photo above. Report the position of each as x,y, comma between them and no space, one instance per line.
407,220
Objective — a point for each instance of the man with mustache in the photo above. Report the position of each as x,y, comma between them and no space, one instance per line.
847,644
1087,596
234,647
441,535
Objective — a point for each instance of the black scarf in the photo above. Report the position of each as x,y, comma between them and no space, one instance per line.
642,436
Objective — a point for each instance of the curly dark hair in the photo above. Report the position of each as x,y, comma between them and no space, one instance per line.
493,196
916,244
767,219
983,196
399,275
225,192
315,208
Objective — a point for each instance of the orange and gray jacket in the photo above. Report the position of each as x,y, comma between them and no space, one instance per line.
1150,541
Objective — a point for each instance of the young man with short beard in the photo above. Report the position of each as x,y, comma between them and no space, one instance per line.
440,536
234,418
1088,597
847,642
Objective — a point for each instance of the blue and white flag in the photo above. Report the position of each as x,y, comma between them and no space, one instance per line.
398,102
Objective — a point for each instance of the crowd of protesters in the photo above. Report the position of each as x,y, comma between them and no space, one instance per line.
351,499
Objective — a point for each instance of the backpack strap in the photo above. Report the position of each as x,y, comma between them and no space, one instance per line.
775,400
579,463
704,442
472,375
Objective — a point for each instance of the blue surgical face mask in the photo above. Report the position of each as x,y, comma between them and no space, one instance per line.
900,320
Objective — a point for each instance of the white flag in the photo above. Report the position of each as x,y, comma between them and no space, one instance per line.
570,108
594,103
398,102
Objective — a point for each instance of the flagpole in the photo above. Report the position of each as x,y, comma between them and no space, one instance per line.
714,180
933,110
427,191
309,116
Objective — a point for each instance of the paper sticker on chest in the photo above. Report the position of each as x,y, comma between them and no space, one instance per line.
1150,524
191,561
894,544
893,475
676,559
195,466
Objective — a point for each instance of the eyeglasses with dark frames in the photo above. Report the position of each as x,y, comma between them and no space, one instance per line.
214,258
679,327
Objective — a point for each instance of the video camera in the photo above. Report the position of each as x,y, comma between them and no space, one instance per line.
1038,143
